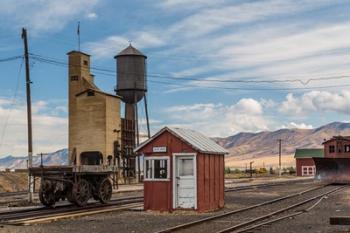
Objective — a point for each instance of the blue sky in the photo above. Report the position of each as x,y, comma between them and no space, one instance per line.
195,50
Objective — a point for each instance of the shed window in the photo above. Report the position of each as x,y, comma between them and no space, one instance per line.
331,149
347,148
186,167
157,168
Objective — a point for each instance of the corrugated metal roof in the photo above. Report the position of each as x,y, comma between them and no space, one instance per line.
197,140
130,50
309,153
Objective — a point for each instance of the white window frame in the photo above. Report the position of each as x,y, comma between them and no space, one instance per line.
152,158
307,168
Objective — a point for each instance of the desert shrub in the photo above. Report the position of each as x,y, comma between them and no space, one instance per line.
291,170
262,170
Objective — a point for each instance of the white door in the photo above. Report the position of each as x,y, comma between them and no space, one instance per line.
185,184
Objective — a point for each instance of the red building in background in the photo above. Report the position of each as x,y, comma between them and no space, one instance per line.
305,165
335,166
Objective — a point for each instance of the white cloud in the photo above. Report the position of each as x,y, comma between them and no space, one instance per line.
49,131
92,15
186,5
267,49
294,125
40,16
220,120
111,45
316,101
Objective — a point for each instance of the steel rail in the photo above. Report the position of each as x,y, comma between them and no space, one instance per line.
280,218
232,228
232,212
74,214
264,185
8,194
37,212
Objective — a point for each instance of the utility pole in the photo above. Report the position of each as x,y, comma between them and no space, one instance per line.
147,119
251,169
279,156
29,115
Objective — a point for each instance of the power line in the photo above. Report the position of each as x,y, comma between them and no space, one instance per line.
249,89
167,76
10,58
112,73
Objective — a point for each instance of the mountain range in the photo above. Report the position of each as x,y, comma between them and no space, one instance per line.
254,145
243,145
59,157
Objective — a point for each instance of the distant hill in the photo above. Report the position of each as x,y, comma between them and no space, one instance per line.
59,157
255,145
243,145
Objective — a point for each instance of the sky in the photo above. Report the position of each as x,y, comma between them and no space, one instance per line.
220,67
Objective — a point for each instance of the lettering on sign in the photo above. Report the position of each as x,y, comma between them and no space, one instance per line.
159,149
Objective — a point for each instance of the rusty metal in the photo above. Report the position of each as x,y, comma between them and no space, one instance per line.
334,170
339,220
131,75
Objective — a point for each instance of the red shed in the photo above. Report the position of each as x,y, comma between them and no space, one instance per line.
183,169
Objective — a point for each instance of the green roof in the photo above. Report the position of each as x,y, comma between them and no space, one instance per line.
309,153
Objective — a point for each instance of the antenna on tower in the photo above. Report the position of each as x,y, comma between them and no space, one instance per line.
78,33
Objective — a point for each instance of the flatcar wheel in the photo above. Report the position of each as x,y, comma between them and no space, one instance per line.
47,193
81,192
70,196
105,190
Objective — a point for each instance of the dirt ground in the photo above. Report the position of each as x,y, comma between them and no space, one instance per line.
264,161
316,220
13,181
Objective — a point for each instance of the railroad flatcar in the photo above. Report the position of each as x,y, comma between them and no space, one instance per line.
77,184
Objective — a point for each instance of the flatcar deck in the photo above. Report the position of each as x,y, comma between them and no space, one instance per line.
60,170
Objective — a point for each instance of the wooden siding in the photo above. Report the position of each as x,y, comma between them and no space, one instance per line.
210,182
158,195
303,162
339,149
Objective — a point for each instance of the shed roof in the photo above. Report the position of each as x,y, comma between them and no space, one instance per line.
195,139
309,153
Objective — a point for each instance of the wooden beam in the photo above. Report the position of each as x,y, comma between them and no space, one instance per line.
340,220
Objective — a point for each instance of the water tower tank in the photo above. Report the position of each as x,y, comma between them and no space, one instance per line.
131,75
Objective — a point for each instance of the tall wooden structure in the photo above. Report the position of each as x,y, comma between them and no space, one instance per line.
94,116
132,87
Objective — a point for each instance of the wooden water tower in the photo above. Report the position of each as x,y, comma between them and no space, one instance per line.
132,87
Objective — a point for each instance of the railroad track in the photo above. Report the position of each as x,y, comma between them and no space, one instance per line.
255,216
238,188
264,185
44,214
9,194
